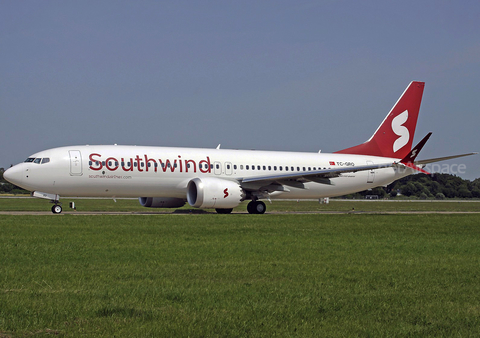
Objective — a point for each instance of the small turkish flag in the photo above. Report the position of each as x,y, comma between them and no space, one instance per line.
332,163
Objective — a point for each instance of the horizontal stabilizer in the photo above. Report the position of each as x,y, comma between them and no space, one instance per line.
438,159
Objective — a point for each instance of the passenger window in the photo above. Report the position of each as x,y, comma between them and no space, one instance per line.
45,160
286,168
235,166
269,167
304,169
264,168
241,166
275,167
280,168
247,167
109,163
228,166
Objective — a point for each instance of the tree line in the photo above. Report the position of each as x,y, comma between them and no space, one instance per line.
423,186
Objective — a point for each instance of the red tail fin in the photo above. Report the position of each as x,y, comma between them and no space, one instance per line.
394,136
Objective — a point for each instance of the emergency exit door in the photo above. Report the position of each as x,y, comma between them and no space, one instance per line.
371,173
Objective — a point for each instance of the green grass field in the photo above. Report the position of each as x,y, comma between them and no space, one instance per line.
209,275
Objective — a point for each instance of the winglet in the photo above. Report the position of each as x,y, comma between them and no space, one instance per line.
412,155
409,160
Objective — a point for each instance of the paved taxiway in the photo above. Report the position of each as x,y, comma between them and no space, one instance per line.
195,212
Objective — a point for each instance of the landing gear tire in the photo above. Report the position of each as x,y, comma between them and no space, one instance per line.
224,211
56,209
256,207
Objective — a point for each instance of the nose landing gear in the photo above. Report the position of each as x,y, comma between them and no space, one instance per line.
57,208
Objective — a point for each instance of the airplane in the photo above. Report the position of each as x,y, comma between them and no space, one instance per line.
169,177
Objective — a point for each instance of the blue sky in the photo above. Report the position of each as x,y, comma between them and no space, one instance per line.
273,75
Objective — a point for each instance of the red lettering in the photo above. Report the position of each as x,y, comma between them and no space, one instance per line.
131,165
148,160
96,162
112,164
187,162
138,160
168,165
205,170
180,162
115,163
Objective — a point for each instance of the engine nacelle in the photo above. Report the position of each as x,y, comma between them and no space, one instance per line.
161,202
211,192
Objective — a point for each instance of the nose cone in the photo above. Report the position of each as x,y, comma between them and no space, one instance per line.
14,175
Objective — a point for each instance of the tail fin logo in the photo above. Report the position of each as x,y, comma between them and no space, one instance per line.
400,130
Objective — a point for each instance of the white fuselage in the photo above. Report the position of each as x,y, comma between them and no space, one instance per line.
137,171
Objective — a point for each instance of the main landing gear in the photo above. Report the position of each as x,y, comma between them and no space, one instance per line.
256,207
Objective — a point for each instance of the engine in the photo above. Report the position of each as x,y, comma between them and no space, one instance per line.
214,192
161,202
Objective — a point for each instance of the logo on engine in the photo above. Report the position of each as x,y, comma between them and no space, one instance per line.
226,193
400,130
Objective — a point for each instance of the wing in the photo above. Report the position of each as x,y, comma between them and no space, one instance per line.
297,179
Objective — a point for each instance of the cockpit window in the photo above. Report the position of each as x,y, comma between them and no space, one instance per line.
37,160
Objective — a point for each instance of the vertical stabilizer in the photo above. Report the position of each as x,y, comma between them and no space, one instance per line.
394,136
